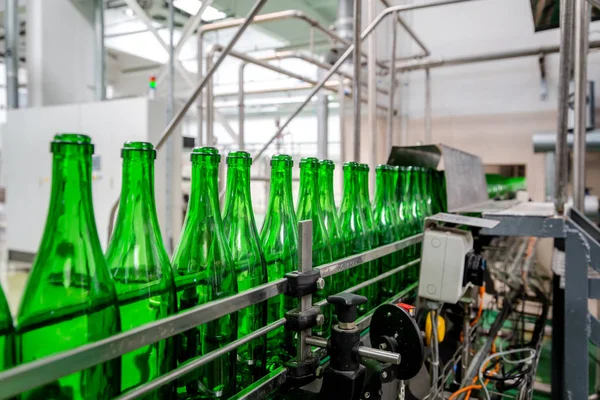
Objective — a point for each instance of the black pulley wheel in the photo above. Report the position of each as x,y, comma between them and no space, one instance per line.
393,329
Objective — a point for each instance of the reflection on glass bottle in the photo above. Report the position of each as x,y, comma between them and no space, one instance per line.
357,238
249,263
140,267
204,272
309,208
70,296
410,210
279,238
387,227
330,218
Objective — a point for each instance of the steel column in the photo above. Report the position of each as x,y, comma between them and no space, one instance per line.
342,117
391,106
372,90
11,44
581,28
427,106
241,105
169,156
567,11
210,101
99,53
356,85
322,123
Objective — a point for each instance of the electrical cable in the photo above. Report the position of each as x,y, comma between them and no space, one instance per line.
503,354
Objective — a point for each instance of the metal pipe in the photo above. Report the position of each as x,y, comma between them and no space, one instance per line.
342,120
356,86
280,55
304,266
241,105
169,173
441,62
345,56
194,364
181,113
391,108
11,57
581,29
322,123
427,106
210,101
372,91
331,86
546,142
363,351
281,15
99,53
410,31
176,120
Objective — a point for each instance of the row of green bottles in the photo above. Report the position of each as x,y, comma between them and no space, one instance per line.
204,271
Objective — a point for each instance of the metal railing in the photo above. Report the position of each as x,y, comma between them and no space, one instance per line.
46,370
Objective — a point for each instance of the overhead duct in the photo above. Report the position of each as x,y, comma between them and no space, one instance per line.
546,142
344,27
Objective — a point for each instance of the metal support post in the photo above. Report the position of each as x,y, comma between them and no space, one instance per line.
427,138
242,107
170,109
322,122
304,265
391,106
356,94
581,28
11,44
342,116
99,53
372,89
210,102
562,150
576,363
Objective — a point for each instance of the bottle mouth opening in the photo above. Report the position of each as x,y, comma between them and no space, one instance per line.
282,160
239,158
309,162
143,149
83,142
205,154
351,165
327,164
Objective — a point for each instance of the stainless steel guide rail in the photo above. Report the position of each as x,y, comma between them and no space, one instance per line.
49,369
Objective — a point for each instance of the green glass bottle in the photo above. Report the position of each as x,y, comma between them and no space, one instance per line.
7,335
279,238
70,298
140,267
409,210
330,217
357,238
365,201
387,225
309,207
249,264
424,193
204,272
403,230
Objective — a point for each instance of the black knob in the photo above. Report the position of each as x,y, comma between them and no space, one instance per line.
474,269
346,305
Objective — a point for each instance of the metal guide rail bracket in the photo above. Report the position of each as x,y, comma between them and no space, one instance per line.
48,369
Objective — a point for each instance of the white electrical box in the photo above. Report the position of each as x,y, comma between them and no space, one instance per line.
443,263
27,163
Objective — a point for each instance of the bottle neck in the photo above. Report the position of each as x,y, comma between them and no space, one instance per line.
137,191
71,193
363,187
280,196
326,189
204,192
238,190
381,187
350,195
308,195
